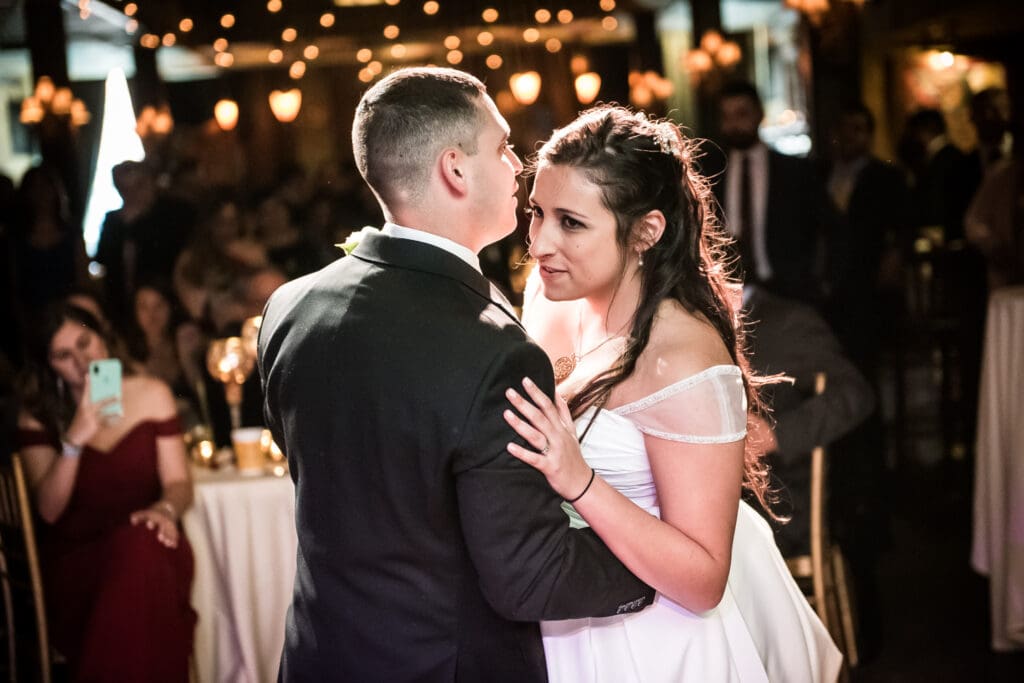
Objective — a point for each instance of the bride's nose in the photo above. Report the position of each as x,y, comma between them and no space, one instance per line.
541,243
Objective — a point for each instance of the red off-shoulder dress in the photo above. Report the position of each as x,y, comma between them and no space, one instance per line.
118,600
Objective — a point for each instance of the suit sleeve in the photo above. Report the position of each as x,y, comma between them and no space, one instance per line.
531,564
846,401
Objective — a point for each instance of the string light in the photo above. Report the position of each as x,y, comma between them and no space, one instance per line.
275,56
169,40
485,38
185,25
454,57
494,61
607,5
391,3
150,40
542,16
297,70
375,67
398,51
553,45
490,15
224,59
531,35
327,20
364,55
391,31
131,26
289,35
220,44
227,21
431,7
564,16
609,23
452,42
365,75
311,52
274,6
130,9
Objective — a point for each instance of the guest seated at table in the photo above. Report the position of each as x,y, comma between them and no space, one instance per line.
153,333
110,491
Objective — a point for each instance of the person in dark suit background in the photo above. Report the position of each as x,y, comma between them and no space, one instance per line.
775,205
426,552
865,248
791,338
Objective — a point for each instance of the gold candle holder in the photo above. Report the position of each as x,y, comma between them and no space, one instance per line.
231,364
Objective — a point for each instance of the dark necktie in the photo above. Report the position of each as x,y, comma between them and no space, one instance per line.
746,234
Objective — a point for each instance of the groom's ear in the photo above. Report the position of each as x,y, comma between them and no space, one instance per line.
648,230
452,171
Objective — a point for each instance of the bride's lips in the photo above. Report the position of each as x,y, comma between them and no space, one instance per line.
547,272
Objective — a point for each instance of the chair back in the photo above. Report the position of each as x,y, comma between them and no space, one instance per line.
825,566
21,583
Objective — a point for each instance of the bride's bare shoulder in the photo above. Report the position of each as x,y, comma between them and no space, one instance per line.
682,344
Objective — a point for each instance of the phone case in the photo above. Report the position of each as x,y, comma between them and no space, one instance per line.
105,382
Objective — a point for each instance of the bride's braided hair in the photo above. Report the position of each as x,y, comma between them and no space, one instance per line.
642,165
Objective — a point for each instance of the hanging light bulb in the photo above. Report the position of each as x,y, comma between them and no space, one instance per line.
226,114
286,104
525,87
587,86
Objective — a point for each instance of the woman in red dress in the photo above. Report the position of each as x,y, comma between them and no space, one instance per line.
117,567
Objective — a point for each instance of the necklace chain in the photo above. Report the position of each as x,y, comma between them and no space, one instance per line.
565,365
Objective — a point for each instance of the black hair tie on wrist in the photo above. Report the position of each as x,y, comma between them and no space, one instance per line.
592,475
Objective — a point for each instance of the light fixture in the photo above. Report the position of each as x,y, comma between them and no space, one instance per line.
285,104
398,50
226,114
553,45
485,38
494,61
531,35
275,56
525,87
431,7
364,55
297,70
185,25
169,40
452,42
327,20
311,52
587,86
454,56
490,15
289,35
564,16
227,21
273,6
542,16
609,23
391,31
578,64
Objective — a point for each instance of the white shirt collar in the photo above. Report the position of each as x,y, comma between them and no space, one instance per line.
464,253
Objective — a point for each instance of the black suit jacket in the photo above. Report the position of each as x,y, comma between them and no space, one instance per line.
426,552
797,216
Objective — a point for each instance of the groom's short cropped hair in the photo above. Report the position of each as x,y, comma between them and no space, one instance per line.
404,122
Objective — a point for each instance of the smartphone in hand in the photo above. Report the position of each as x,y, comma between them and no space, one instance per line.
105,383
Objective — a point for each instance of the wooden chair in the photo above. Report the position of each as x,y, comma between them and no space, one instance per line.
825,568
20,580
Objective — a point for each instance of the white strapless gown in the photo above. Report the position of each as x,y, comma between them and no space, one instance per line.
763,629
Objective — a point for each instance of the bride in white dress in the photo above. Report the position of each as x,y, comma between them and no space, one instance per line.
629,300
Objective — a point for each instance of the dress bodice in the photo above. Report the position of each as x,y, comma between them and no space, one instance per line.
708,407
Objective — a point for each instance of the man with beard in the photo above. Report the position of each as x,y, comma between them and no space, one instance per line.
775,205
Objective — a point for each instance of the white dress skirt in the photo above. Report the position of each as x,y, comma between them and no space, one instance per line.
762,630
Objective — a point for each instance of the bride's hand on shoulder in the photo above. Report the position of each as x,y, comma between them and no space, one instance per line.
550,430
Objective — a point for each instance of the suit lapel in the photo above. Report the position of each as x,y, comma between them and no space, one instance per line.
384,250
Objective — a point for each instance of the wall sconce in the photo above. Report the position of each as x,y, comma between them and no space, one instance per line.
587,86
816,9
226,114
525,87
648,86
714,53
153,121
286,104
50,101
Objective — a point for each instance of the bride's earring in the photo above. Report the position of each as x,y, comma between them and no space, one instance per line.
639,258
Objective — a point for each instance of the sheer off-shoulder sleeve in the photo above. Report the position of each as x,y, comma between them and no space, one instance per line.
709,407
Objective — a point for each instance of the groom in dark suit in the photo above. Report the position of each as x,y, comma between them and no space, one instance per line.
426,552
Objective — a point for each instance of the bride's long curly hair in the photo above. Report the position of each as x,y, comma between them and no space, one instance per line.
641,165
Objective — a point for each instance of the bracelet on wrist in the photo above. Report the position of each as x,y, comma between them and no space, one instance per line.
587,488
166,507
69,450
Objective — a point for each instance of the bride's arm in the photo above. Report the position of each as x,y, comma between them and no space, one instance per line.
687,553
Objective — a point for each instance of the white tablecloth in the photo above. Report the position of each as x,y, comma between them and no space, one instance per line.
242,531
998,544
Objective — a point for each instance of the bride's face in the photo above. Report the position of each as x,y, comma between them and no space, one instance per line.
572,235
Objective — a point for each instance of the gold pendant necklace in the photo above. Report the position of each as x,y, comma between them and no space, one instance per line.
565,365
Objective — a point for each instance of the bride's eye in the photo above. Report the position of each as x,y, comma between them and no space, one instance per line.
571,223
533,212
